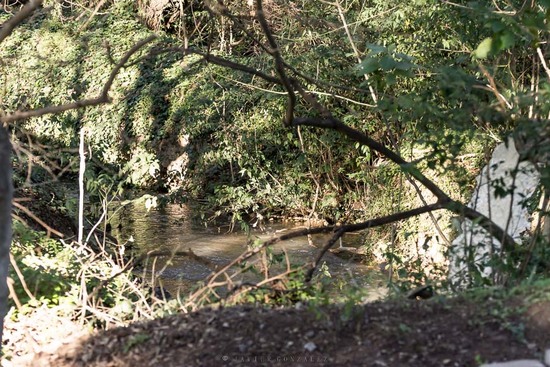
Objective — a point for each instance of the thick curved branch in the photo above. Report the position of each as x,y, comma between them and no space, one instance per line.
355,135
102,98
449,204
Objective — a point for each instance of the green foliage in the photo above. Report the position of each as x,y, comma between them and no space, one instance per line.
51,62
387,62
239,156
432,67
46,266
78,281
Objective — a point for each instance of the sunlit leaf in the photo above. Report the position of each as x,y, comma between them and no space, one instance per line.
484,48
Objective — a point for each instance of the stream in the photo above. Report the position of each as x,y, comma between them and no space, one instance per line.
170,229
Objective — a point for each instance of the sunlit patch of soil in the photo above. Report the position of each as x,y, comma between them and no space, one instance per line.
40,332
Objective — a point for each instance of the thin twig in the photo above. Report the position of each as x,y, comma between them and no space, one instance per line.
48,229
543,62
355,50
94,13
21,277
13,294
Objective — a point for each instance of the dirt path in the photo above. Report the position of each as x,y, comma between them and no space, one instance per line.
437,332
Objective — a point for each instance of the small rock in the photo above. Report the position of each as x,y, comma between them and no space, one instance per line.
310,334
547,357
310,346
518,363
243,348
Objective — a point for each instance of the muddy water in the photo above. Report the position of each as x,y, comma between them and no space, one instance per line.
170,229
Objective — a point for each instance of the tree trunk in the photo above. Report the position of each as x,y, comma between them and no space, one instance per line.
6,195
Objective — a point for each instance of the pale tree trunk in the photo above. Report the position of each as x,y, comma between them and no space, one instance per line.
81,172
6,195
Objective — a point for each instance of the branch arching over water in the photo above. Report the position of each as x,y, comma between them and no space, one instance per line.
338,231
448,203
326,120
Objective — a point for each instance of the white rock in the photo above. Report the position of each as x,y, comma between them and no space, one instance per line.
503,162
310,346
547,357
518,363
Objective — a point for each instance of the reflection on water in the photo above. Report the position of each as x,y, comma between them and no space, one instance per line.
170,229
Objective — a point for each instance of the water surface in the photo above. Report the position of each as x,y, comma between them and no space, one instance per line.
170,228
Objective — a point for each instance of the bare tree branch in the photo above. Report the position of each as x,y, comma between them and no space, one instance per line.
102,98
339,231
213,60
279,64
235,66
25,12
355,135
454,206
